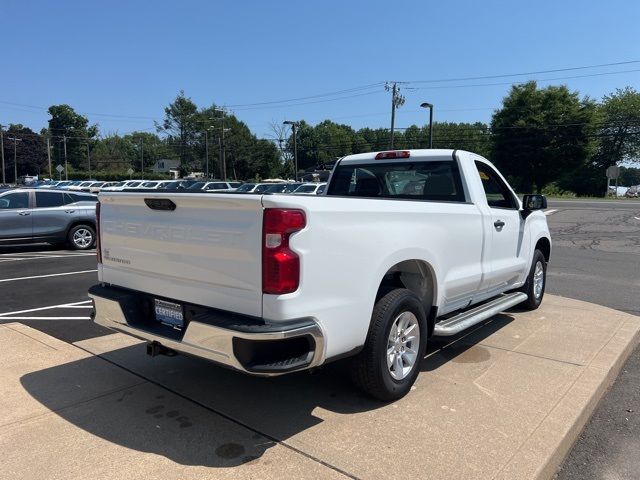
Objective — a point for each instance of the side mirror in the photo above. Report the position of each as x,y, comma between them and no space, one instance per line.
534,202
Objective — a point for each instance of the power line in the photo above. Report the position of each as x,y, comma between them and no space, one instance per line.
538,72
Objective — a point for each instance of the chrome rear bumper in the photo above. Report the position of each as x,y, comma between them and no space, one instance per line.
231,345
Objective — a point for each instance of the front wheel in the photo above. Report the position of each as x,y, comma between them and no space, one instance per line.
81,237
389,363
536,282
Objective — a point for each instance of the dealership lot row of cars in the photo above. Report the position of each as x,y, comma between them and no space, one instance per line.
64,212
217,186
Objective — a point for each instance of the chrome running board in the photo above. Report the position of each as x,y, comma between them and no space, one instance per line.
466,319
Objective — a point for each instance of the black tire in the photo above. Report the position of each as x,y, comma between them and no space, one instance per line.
533,301
369,368
81,237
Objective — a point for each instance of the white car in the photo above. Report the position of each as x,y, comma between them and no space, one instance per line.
308,189
403,245
127,184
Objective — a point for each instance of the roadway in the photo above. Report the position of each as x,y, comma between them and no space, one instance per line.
596,258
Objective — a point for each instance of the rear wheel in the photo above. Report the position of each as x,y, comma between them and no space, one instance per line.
81,237
389,364
536,282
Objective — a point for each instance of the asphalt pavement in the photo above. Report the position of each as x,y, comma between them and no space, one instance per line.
596,258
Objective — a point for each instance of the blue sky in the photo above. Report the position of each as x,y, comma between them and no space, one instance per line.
121,62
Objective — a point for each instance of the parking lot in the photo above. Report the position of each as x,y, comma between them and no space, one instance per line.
505,400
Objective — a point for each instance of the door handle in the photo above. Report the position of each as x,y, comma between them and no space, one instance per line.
69,211
498,224
24,212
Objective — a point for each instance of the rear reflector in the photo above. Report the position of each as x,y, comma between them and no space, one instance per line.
393,154
280,265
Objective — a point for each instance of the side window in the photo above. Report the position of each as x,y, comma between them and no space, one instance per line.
498,194
68,199
48,199
14,200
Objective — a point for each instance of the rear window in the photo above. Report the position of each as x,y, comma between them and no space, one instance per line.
433,180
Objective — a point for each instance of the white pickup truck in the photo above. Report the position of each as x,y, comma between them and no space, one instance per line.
403,245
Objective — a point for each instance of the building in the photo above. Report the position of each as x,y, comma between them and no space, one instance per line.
165,166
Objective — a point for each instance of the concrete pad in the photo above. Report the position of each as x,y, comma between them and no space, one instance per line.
485,404
24,350
137,431
505,400
145,432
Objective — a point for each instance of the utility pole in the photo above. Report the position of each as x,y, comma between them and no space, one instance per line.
88,159
295,145
430,107
223,159
66,170
4,180
49,154
206,150
142,156
15,157
397,100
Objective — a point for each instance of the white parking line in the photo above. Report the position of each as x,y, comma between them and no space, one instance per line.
45,318
40,257
46,276
550,212
62,305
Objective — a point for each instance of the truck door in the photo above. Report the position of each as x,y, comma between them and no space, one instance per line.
505,259
15,217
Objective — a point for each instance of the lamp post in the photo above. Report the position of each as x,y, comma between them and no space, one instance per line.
430,107
15,157
294,125
223,154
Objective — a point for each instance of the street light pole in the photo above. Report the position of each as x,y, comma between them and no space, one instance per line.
295,145
430,107
2,150
66,170
15,157
142,157
223,153
49,154
88,159
206,151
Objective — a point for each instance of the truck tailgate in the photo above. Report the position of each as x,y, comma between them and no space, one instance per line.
206,251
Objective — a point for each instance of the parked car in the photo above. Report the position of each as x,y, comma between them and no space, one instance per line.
270,284
124,185
219,186
282,187
308,189
31,215
632,192
177,185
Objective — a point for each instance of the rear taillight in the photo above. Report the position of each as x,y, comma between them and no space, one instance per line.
98,249
280,265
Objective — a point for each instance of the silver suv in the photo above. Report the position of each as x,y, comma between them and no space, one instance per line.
29,215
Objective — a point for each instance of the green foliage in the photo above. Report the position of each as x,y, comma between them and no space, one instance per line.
65,122
30,152
629,176
539,134
617,138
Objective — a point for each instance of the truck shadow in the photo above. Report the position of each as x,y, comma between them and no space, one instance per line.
195,413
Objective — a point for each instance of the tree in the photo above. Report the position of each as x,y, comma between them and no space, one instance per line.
31,152
539,134
65,123
617,137
181,123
